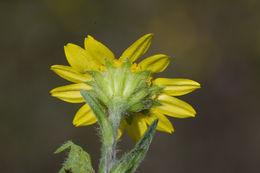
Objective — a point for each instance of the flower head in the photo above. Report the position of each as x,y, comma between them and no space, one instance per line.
124,85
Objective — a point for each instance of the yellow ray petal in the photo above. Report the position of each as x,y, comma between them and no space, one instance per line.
78,58
121,128
163,124
137,127
97,51
177,87
155,63
84,116
70,74
70,93
174,107
137,49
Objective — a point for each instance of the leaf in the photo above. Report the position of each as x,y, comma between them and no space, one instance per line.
78,160
63,147
129,162
105,126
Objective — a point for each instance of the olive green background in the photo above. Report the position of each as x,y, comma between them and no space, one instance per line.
216,43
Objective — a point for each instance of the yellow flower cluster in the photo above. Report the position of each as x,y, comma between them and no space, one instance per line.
93,58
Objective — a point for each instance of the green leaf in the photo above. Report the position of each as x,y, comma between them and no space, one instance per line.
63,147
105,126
130,161
78,160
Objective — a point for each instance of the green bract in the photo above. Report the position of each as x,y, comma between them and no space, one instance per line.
123,91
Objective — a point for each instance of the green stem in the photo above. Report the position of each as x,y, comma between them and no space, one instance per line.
109,158
110,151
107,153
106,131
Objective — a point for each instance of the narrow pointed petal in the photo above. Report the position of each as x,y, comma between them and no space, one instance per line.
84,116
174,107
177,87
155,63
97,51
121,129
78,58
137,127
70,93
137,49
163,124
70,74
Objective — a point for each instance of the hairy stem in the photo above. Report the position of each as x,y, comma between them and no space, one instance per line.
111,150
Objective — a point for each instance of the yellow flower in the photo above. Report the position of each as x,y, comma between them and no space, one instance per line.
93,57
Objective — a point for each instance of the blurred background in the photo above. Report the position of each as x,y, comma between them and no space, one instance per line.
216,43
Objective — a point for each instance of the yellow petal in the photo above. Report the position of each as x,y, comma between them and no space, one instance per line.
70,74
174,107
84,116
78,59
137,127
97,51
137,49
70,93
163,124
177,87
121,128
155,63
